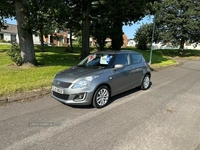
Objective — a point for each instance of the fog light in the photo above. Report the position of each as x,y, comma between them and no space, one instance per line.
80,97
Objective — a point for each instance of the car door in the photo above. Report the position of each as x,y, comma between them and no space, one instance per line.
121,77
137,69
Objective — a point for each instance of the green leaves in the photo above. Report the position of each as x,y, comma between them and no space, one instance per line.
179,21
6,11
143,36
15,54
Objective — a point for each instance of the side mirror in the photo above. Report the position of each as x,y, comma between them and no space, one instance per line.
118,66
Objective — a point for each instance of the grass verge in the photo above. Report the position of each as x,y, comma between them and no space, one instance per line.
16,79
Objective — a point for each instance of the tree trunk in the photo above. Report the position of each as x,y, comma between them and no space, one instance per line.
70,37
86,29
181,46
25,36
41,40
101,42
116,36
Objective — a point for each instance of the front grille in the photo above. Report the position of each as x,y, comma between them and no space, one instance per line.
61,96
62,84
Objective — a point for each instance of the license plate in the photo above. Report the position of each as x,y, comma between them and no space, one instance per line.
58,90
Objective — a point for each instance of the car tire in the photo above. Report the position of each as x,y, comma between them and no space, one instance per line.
101,97
145,82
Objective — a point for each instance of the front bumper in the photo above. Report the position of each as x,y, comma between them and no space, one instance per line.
70,97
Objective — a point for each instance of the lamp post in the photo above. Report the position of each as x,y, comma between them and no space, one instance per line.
152,39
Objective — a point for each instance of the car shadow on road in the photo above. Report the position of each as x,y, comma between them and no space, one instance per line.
119,96
113,99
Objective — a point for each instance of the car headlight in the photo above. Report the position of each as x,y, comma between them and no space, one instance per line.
84,82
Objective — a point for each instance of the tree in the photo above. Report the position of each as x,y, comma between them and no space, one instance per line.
178,21
24,33
80,10
100,24
110,20
86,8
31,14
130,12
143,36
6,11
46,16
73,27
18,10
99,32
104,16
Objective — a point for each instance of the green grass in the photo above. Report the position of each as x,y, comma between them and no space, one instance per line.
14,79
163,58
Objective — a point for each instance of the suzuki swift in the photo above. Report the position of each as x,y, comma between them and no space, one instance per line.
100,76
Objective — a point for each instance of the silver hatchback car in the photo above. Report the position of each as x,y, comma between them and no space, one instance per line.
100,76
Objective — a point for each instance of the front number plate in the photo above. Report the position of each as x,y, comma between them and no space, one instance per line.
58,90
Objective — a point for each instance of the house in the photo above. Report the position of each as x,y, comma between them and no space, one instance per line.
9,34
108,41
131,43
125,41
60,38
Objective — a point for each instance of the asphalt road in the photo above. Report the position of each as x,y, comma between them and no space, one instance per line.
165,117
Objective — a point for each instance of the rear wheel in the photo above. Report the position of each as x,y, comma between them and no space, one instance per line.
145,82
101,97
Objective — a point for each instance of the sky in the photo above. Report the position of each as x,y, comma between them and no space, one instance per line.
131,30
128,30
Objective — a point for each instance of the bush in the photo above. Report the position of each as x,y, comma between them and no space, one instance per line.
15,54
142,45
3,41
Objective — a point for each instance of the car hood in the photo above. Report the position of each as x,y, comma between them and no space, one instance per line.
69,75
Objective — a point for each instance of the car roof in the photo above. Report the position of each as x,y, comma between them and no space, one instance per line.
116,52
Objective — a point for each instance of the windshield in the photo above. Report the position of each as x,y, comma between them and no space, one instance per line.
99,60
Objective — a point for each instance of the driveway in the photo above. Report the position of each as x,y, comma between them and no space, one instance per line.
165,117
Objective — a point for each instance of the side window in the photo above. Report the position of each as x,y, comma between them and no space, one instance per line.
136,58
122,59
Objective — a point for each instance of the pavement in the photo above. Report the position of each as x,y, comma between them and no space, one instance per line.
25,96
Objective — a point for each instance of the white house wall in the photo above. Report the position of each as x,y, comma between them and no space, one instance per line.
131,43
7,37
17,38
36,40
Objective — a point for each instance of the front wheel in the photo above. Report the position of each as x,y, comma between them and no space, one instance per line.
145,82
101,97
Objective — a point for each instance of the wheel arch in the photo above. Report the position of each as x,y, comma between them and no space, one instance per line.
141,85
106,84
148,74
103,84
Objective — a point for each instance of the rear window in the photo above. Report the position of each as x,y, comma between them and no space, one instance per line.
136,58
